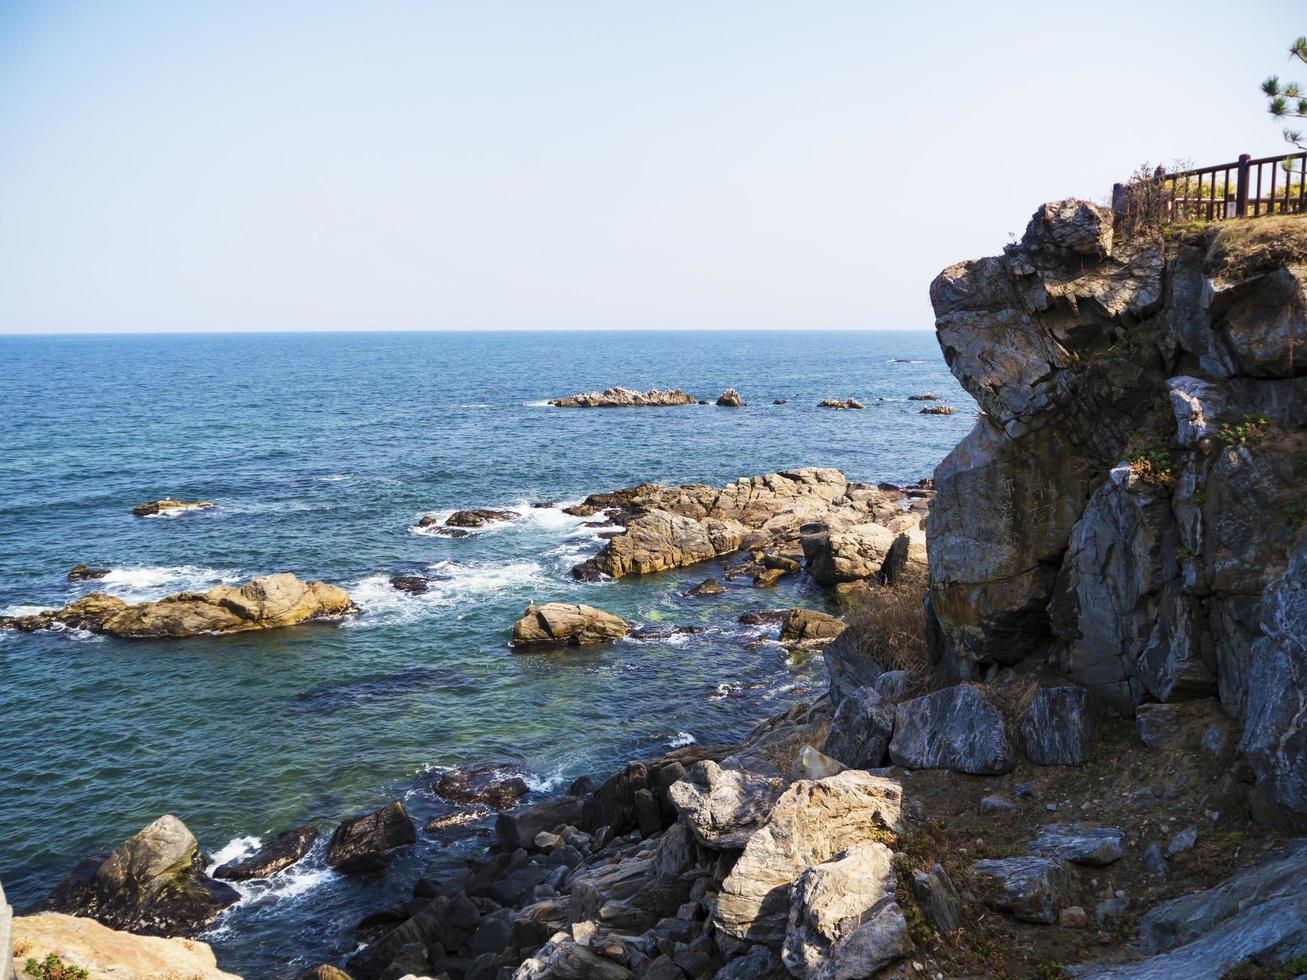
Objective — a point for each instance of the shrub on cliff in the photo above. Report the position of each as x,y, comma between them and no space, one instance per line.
889,624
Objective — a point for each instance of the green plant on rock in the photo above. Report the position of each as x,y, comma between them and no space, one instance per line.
53,968
1249,432
1152,463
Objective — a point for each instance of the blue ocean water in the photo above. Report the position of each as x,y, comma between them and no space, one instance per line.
322,451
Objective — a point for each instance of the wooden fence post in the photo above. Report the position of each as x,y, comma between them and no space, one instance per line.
1241,193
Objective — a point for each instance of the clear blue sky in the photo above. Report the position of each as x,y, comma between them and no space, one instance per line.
234,165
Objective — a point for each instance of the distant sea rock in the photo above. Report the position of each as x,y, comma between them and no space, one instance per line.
168,505
730,398
268,602
625,398
836,403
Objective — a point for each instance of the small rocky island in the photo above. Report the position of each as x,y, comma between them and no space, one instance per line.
619,397
268,602
169,506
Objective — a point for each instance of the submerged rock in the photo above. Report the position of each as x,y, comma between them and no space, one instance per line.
498,785
154,884
479,517
836,403
362,844
103,952
619,397
844,918
574,624
709,586
937,410
276,855
79,573
269,602
412,584
168,505
954,728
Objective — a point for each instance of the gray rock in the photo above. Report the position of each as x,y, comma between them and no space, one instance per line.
844,919
1058,727
849,665
995,805
518,828
363,844
1080,843
723,807
861,729
810,824
759,963
628,896
279,853
938,898
1181,842
1154,863
954,728
1027,790
1111,909
1259,913
895,685
563,959
1030,888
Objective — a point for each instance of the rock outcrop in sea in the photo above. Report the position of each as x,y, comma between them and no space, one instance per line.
563,623
169,506
268,602
626,398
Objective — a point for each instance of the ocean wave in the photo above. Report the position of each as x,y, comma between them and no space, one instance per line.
300,878
148,582
680,740
542,403
451,583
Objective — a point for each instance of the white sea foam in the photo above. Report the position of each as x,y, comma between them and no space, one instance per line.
22,610
680,740
155,581
452,583
545,784
234,850
542,403
301,877
478,405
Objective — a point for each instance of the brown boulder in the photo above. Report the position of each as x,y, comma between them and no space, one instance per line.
575,624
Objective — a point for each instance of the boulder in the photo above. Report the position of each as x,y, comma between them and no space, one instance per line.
619,397
106,953
846,554
1259,914
169,506
849,664
478,517
1030,888
276,855
844,919
722,808
861,729
954,728
759,963
730,398
153,884
810,824
269,602
1057,728
938,898
362,844
627,896
658,541
412,584
498,785
1080,843
801,625
518,828
79,573
574,624
562,958
709,586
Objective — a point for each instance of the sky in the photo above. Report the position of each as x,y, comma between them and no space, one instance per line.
232,165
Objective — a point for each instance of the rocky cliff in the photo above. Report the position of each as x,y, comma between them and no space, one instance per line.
1129,508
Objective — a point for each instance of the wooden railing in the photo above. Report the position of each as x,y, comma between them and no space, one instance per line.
1246,188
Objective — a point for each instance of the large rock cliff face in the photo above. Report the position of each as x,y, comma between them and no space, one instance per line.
1129,507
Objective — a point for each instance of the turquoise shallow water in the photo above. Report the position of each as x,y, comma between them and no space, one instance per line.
321,452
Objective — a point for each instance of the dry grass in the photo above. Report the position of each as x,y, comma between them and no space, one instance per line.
888,624
1250,246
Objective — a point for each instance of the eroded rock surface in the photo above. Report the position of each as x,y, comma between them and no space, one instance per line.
110,954
574,624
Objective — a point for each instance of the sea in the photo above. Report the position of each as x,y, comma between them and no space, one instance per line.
322,452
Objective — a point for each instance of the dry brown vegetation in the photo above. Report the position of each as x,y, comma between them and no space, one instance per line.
888,623
1250,246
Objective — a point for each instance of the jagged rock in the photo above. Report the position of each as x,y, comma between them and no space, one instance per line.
79,573
810,824
1030,888
861,729
722,808
730,398
574,624
939,900
848,663
478,517
845,554
168,505
362,844
801,625
498,785
269,602
518,828
844,918
1057,728
153,884
104,953
1167,724
619,397
1080,843
629,896
276,855
953,728
1260,913
658,541
563,959
1153,861
709,586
